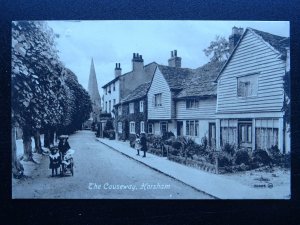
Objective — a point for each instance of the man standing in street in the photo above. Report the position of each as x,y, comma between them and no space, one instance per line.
144,143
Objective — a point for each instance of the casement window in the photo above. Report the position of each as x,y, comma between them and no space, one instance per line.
109,105
163,127
229,132
158,99
150,128
266,133
247,86
120,110
141,106
114,101
120,127
192,128
114,86
142,127
192,103
131,107
132,127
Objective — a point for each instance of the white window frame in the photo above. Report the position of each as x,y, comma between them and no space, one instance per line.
192,103
141,106
120,127
131,107
250,83
158,99
132,127
192,124
120,110
142,127
161,125
150,125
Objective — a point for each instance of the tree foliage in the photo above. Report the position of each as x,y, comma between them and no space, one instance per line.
219,49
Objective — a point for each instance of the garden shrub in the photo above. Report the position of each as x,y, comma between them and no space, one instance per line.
242,157
228,148
224,159
261,157
176,145
275,154
167,135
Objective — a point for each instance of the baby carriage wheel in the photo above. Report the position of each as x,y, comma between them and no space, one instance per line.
72,169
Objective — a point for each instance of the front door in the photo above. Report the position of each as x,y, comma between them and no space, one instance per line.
245,135
179,128
212,135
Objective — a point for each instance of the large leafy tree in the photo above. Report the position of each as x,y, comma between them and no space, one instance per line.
36,81
77,105
218,49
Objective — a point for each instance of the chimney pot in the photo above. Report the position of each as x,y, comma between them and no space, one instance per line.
235,30
171,53
175,53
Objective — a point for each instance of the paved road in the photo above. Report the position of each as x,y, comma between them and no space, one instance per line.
102,173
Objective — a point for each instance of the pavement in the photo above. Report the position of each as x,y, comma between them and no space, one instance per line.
216,185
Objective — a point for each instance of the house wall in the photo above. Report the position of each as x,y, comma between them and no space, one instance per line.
159,85
252,55
112,95
206,109
136,117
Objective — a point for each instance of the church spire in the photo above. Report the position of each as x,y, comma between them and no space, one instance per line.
93,89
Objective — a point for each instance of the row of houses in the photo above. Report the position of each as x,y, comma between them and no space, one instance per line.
239,101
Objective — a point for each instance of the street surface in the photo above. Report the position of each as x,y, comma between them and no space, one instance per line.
102,173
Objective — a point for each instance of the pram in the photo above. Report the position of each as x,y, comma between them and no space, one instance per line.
67,163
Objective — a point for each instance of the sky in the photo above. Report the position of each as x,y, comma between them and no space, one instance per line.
110,42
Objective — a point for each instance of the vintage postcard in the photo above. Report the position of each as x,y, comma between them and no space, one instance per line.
151,109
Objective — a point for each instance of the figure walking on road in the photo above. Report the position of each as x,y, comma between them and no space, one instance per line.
144,143
137,144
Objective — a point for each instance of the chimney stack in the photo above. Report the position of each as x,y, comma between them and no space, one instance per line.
235,37
174,61
137,62
118,70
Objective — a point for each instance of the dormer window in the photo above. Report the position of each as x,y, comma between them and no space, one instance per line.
192,103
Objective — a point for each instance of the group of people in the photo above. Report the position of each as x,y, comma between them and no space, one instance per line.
57,153
141,144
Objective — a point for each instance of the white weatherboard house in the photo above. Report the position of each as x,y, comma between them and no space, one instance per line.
183,100
250,93
167,82
196,105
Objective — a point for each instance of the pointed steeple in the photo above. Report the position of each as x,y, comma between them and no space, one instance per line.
93,89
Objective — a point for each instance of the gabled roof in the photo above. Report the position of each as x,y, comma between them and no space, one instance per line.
279,43
202,82
140,92
176,77
147,69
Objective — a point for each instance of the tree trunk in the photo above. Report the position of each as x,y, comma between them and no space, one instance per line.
17,167
27,144
46,139
51,136
37,141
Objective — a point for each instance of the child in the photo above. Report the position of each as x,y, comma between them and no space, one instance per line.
54,159
138,144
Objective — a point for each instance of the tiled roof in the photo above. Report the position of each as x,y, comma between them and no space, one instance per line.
176,77
139,92
277,42
202,82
